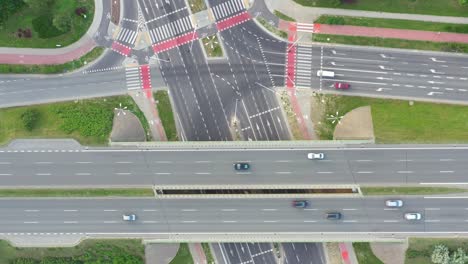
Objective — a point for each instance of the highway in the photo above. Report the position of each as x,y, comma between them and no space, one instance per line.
237,216
363,165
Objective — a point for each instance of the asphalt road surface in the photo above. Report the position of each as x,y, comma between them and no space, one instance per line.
211,216
380,164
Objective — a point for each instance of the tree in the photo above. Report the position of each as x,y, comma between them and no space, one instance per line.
30,117
459,257
38,4
62,21
440,255
463,2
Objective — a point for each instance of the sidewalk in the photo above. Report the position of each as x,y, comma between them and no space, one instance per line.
347,253
197,252
309,14
56,56
391,33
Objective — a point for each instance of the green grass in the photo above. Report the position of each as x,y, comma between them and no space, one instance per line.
88,121
364,253
392,43
183,255
273,29
166,115
392,23
396,121
208,254
49,69
420,249
283,16
410,190
24,17
197,5
212,46
117,251
98,192
431,7
291,116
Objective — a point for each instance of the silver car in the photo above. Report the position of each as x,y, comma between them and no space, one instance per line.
413,216
129,217
315,156
394,203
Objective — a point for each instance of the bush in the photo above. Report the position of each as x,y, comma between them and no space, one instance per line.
335,3
80,11
24,33
62,21
463,2
45,28
9,7
30,118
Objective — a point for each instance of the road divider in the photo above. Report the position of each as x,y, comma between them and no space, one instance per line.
94,192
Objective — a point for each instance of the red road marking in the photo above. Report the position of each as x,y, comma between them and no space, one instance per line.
169,44
344,253
146,79
233,21
120,48
316,28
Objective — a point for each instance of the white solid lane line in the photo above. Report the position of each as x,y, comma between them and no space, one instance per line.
283,172
229,221
123,162
163,162
83,162
364,160
270,221
162,173
82,173
189,210
43,162
350,221
446,171
202,173
269,209
324,172
310,209
123,173
365,172
43,174
70,222
70,210
189,221
110,210
349,209
310,221
228,210
149,210
30,222
31,210
404,172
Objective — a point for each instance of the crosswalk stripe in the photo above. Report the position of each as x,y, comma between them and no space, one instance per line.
242,4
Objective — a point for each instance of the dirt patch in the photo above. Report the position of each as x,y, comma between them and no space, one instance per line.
115,11
332,251
390,253
127,127
356,124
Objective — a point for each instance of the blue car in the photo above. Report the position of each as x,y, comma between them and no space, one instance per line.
300,204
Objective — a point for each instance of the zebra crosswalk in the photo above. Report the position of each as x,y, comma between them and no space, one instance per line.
303,66
305,27
171,30
127,36
132,77
228,9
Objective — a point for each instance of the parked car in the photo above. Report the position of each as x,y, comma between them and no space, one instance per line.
315,156
342,86
413,216
300,203
241,166
333,216
129,217
394,203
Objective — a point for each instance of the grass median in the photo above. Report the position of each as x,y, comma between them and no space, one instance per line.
97,192
430,7
392,43
183,255
166,115
89,251
364,253
392,23
88,121
212,46
208,254
53,68
284,16
197,5
399,121
410,190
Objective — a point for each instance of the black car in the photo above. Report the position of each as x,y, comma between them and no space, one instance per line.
334,216
241,166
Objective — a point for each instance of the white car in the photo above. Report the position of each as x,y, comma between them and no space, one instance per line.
413,216
315,156
129,217
394,203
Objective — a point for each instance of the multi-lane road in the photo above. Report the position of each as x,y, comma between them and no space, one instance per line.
362,165
232,216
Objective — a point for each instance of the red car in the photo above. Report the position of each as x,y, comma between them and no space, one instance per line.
342,86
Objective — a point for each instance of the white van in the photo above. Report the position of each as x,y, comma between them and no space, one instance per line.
325,74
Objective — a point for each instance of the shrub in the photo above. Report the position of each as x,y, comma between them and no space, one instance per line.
335,3
24,33
62,21
440,255
80,11
9,7
463,2
30,118
334,20
44,27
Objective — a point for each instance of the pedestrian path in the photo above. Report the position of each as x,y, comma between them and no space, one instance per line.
171,30
228,9
303,66
391,33
127,36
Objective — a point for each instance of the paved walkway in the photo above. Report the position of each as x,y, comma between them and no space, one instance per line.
197,252
309,14
347,253
59,55
391,33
